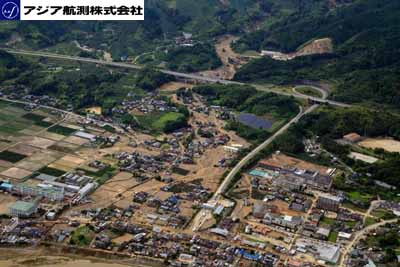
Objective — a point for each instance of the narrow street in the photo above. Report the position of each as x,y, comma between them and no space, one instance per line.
357,236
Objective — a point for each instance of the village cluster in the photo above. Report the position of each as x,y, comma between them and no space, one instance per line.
91,182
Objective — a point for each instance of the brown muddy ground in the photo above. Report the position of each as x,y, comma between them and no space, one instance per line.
10,257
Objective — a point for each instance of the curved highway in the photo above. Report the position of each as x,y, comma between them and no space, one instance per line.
202,215
323,92
173,73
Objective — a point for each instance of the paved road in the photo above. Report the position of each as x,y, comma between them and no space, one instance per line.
302,96
358,235
253,153
374,205
323,92
117,64
202,216
66,113
173,73
43,106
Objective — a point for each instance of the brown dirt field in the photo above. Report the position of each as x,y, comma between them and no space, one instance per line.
24,149
67,145
125,203
32,130
163,195
107,193
5,164
61,166
16,173
120,182
241,211
76,140
121,239
40,142
94,110
42,257
5,202
204,168
173,86
151,187
67,163
284,208
120,176
29,165
90,153
284,161
52,136
45,157
186,209
73,159
64,147
385,143
103,198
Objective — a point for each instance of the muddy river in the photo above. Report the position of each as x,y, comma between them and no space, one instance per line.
56,262
37,258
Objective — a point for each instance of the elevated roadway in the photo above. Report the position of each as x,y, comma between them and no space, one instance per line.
195,77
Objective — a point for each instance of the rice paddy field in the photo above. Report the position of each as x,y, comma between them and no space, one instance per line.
16,121
35,141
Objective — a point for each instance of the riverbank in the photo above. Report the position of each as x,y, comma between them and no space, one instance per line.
44,257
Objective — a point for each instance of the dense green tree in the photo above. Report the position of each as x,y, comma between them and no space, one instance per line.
150,80
191,59
365,63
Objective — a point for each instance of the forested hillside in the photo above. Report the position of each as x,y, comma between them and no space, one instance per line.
365,64
366,34
10,66
163,21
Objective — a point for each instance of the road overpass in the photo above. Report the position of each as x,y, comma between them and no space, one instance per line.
195,77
